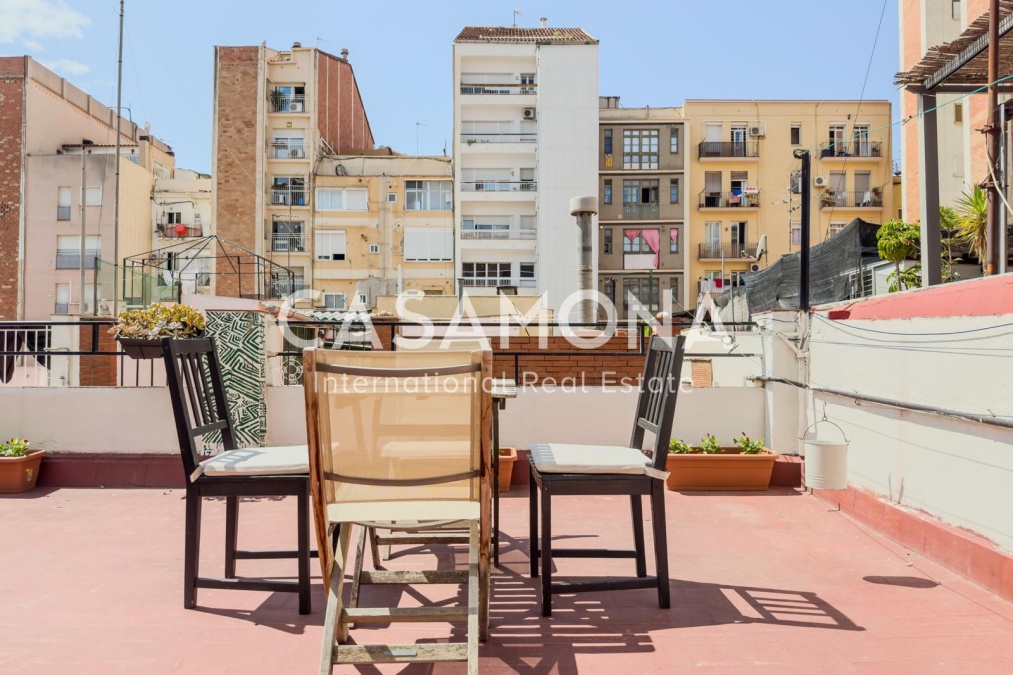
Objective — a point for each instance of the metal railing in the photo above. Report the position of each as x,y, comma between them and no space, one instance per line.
522,137
288,198
641,211
288,104
729,200
499,186
854,149
729,149
288,151
179,231
487,282
71,260
498,89
854,200
498,234
292,243
712,251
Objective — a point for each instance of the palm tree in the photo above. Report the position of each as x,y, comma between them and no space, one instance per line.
972,226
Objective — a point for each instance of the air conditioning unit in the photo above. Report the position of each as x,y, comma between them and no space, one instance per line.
528,114
755,267
296,153
820,181
757,130
295,106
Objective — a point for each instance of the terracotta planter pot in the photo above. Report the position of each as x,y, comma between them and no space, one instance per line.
506,468
19,474
727,471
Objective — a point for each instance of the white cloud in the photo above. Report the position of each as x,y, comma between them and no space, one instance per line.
66,66
31,20
33,46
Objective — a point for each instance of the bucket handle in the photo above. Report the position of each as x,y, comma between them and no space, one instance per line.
843,435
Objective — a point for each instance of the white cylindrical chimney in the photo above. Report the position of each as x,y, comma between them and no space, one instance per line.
344,54
583,208
545,22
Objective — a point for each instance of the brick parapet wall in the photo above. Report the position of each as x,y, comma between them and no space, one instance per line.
97,371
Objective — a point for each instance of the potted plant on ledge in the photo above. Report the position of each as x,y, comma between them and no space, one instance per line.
747,465
19,466
140,331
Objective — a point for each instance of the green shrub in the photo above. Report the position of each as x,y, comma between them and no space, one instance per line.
709,445
16,447
748,446
677,446
159,321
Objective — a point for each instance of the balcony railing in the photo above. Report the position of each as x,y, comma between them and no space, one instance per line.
179,230
287,151
71,260
499,186
728,200
498,89
641,212
714,251
528,283
729,149
498,234
488,282
853,200
63,213
524,137
288,198
292,243
854,149
288,104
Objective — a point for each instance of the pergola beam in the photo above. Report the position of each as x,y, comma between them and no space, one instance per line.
966,55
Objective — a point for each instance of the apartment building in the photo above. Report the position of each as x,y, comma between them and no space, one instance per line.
380,225
181,216
275,113
525,129
642,256
57,185
747,180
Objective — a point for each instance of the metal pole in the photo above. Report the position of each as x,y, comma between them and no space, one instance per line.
992,130
583,208
80,307
931,245
803,284
116,184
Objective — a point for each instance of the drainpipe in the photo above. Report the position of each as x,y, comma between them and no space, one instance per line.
583,208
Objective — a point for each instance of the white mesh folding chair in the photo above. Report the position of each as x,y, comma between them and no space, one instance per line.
397,437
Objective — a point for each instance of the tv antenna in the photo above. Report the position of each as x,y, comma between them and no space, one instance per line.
517,13
417,125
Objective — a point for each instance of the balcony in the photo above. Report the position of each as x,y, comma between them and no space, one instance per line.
730,149
288,198
860,148
497,89
487,282
522,137
872,199
290,243
498,234
288,151
179,231
288,104
641,212
729,200
71,260
499,186
727,251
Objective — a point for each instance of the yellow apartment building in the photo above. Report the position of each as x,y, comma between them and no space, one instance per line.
380,225
745,183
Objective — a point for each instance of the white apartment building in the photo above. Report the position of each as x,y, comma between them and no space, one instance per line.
181,218
525,142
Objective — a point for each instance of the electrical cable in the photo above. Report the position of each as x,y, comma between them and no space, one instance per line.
884,332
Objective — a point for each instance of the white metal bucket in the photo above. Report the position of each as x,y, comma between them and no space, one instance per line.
826,465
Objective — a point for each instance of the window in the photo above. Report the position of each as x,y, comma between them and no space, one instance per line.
606,246
795,183
644,292
796,233
796,134
495,272
675,291
68,251
608,142
636,244
958,113
609,289
374,248
640,149
62,299
361,298
174,218
287,236
836,144
735,277
608,191
330,245
391,197
673,240
288,191
673,191
955,9
836,227
428,195
289,144
423,244
527,274
63,207
342,199
640,192
93,195
673,140
334,300
529,80
288,98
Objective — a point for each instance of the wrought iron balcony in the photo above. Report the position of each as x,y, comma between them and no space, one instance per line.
729,200
641,212
499,186
871,199
522,137
716,251
288,104
711,149
859,148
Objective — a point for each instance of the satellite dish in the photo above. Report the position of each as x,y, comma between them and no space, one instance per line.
761,247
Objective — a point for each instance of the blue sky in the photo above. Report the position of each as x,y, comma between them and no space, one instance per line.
652,53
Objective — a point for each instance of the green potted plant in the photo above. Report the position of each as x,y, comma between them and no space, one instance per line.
746,465
277,99
19,466
140,331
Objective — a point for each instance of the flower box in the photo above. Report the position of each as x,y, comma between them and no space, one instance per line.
729,470
139,348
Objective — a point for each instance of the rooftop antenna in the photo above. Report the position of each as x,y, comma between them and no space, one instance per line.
319,40
517,13
417,125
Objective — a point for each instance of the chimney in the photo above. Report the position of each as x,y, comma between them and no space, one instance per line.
545,22
344,54
296,45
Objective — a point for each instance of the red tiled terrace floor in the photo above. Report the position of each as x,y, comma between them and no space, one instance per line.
90,582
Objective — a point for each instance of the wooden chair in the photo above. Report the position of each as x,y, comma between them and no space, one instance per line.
397,437
560,470
200,406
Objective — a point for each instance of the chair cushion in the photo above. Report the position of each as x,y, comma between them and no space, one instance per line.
565,458
277,461
380,512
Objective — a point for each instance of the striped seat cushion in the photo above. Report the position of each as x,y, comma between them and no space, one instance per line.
284,460
566,458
